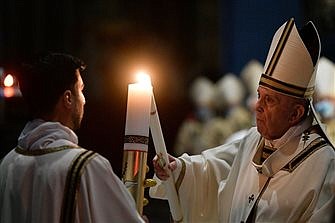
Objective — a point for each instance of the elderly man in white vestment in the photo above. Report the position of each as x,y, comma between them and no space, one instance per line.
281,171
48,177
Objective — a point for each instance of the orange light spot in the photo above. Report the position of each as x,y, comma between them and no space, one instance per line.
8,92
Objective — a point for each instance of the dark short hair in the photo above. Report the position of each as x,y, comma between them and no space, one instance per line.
43,81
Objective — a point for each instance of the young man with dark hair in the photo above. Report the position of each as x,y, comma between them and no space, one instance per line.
48,177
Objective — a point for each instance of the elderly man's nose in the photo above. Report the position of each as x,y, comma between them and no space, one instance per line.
259,105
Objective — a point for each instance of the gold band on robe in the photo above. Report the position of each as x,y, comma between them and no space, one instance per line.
72,185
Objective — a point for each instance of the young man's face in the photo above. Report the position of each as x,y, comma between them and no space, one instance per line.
79,102
273,112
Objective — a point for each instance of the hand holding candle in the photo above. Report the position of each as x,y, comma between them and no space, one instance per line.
157,135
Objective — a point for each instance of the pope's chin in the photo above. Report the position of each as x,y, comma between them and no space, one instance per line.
260,126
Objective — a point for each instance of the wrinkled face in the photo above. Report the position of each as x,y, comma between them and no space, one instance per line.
273,112
79,102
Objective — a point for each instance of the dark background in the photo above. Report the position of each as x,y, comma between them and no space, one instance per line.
175,41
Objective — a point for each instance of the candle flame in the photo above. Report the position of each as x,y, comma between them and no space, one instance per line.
9,80
143,78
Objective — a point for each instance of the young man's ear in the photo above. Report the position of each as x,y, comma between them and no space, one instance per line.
67,98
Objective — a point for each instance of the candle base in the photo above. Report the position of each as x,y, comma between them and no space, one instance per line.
134,168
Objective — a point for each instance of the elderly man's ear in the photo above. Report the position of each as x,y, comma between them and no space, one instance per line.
297,114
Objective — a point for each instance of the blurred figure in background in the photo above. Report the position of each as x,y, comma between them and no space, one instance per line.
325,95
229,94
232,114
250,75
219,112
189,133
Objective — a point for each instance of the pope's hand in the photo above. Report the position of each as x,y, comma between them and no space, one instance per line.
160,167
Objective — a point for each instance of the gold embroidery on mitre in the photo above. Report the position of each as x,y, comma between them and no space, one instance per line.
280,46
285,88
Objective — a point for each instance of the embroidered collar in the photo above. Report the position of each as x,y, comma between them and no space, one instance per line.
286,148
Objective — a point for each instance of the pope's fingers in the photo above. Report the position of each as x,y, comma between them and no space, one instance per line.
173,165
160,172
155,158
171,158
160,166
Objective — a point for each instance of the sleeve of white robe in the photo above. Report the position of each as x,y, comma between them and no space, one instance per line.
103,197
198,190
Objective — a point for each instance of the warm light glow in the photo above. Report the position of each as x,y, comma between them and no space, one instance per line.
143,78
9,81
9,92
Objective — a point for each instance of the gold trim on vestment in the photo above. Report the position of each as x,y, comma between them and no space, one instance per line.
181,175
72,185
256,161
315,145
38,152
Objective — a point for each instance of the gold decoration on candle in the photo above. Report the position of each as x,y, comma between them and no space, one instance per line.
136,139
134,170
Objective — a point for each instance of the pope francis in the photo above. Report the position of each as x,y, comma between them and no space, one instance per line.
283,169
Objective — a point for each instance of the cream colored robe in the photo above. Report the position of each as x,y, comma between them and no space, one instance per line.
222,184
32,185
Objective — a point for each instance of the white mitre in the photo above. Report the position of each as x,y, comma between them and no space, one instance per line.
229,90
250,75
292,60
202,92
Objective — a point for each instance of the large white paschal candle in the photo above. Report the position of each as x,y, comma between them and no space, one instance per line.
136,138
138,114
